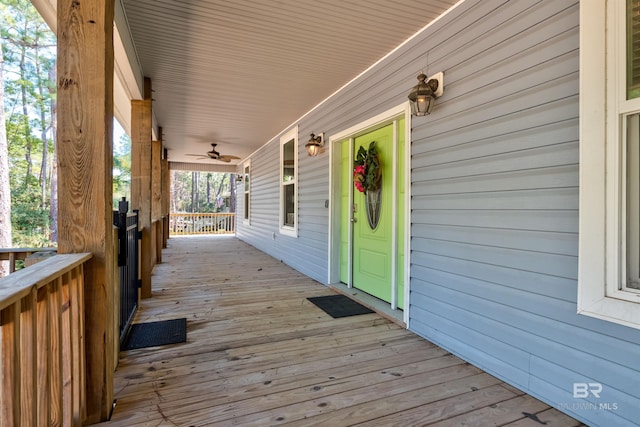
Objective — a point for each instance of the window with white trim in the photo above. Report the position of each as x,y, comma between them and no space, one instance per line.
289,183
632,234
609,260
246,180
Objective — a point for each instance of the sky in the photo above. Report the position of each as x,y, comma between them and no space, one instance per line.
118,131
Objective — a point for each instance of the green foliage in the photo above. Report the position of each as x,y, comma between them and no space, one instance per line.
367,170
200,192
19,137
29,220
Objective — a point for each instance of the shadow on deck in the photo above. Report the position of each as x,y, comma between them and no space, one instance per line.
259,353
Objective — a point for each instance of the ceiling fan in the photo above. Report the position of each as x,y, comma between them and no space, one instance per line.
215,155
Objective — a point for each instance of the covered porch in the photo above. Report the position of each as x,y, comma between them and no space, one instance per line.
489,258
259,353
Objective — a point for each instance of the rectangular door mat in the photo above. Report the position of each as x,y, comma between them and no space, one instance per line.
153,334
339,306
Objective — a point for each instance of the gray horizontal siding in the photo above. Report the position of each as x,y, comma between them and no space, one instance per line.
523,240
522,336
308,252
494,208
537,262
495,214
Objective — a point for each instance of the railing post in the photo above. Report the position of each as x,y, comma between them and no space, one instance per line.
43,382
55,375
12,263
121,223
10,371
28,359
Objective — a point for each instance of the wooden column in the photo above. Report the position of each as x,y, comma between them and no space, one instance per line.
156,194
141,180
85,163
166,197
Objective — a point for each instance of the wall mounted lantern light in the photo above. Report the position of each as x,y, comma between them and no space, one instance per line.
314,144
423,95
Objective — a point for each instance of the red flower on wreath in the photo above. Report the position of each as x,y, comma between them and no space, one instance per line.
358,177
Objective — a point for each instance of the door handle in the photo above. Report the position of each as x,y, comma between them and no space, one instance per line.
354,219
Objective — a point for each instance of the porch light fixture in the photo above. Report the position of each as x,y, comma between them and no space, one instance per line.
238,178
423,95
314,144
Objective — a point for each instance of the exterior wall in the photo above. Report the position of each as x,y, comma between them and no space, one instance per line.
494,224
306,253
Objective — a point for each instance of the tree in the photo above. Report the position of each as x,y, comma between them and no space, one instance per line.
121,169
232,193
44,99
30,48
53,198
5,191
195,184
29,67
189,193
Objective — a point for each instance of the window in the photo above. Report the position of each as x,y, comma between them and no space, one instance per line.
609,263
289,183
247,193
632,234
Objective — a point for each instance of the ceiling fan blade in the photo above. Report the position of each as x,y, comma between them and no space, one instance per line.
227,158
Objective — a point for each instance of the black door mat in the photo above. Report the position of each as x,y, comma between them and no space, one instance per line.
152,334
339,306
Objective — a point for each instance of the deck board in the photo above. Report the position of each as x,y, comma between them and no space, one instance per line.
259,353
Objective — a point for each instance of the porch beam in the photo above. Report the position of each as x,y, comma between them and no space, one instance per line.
85,163
141,180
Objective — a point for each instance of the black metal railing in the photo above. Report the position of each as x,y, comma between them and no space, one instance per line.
128,268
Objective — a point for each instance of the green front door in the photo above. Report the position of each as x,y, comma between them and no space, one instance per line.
377,253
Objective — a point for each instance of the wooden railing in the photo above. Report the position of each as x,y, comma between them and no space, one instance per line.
42,355
19,254
202,223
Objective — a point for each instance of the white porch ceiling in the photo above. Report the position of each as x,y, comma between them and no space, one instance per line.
239,72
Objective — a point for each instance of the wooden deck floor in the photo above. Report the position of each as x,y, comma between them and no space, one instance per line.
258,353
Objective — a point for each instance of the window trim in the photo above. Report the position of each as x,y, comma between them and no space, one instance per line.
292,134
246,193
601,202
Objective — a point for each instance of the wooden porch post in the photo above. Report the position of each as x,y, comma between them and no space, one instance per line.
85,163
156,191
141,179
166,195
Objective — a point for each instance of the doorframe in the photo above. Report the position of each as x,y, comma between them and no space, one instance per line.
388,117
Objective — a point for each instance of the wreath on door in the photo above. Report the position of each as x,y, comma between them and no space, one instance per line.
367,171
367,178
